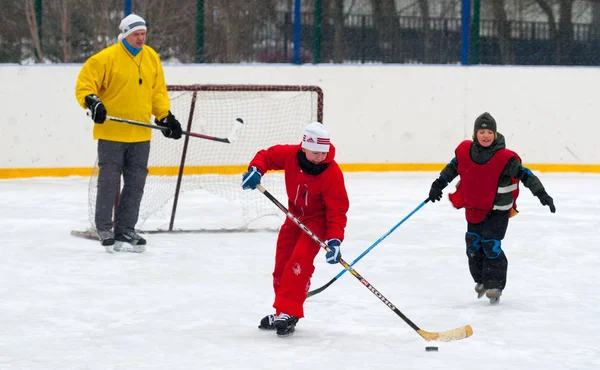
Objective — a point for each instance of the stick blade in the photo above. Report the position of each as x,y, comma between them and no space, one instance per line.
319,290
447,336
87,234
238,123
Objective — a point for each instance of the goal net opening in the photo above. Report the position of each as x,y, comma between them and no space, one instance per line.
194,184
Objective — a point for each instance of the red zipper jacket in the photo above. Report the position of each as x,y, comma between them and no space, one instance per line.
310,198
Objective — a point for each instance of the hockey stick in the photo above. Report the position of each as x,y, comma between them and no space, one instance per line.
228,140
444,336
319,290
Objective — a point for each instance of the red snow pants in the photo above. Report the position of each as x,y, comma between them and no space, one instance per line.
294,266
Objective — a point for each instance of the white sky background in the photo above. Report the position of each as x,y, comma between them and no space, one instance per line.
193,301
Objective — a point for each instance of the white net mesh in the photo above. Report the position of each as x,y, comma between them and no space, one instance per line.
210,196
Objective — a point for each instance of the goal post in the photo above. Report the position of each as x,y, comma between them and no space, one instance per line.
193,184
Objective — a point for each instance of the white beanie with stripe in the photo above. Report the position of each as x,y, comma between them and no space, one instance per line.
316,138
130,24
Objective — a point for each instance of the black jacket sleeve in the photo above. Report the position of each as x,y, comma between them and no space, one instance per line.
515,169
450,172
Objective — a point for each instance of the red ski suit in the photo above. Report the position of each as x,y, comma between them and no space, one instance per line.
318,201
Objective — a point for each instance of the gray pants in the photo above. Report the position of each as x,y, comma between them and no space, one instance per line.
131,160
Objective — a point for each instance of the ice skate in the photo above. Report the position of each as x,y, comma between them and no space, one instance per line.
107,239
480,290
285,324
267,322
129,241
493,295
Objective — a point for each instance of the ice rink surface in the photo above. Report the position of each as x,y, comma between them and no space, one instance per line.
193,301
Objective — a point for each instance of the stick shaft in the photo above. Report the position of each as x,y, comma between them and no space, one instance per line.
162,128
319,290
446,336
364,281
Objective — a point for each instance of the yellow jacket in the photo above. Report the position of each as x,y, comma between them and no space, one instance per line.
114,75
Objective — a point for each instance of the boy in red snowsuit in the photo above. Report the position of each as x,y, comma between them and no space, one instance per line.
317,197
488,189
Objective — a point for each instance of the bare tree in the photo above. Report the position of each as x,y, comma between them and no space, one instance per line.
504,31
34,30
14,33
385,20
339,51
65,22
105,20
596,18
563,34
424,8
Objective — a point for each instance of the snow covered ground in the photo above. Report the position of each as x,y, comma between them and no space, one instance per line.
193,301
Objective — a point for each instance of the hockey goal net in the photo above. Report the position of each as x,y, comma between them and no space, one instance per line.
194,184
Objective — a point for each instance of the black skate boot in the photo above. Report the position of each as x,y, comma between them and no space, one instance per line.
107,239
137,243
480,290
267,322
493,295
285,324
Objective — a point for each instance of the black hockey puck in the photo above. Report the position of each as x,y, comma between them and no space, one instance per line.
431,349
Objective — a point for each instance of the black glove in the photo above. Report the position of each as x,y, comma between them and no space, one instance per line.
436,189
546,200
93,103
174,128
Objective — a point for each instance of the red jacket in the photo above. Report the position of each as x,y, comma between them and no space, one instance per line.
310,197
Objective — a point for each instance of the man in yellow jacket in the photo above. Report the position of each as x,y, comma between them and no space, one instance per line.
127,81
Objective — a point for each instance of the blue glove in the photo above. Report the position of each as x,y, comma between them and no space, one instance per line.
251,178
334,256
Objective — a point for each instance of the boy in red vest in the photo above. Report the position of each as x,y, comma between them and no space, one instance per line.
488,188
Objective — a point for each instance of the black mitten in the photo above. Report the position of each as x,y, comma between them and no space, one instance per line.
546,200
436,189
174,127
97,109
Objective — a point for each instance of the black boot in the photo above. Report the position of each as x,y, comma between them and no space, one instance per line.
267,322
285,324
494,295
480,290
138,244
107,239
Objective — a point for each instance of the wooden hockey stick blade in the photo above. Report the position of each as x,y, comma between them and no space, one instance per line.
87,234
447,336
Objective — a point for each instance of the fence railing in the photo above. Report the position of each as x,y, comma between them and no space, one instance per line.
354,39
414,40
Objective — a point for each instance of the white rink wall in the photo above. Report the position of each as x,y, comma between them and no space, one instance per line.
378,115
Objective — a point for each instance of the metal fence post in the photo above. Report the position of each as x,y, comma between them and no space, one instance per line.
297,30
127,7
466,15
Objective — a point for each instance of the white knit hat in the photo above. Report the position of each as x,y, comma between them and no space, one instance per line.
316,138
130,24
